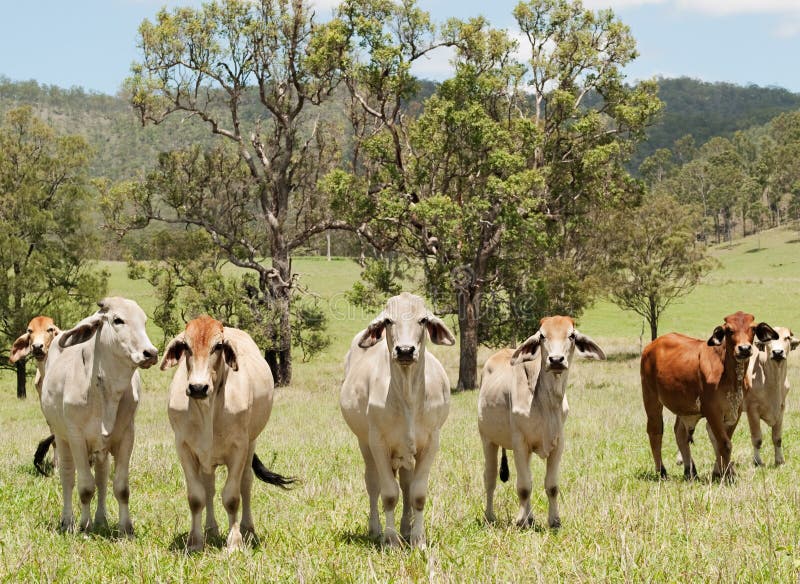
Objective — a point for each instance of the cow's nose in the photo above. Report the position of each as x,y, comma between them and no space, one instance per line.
199,390
556,359
150,354
744,350
38,347
404,351
777,354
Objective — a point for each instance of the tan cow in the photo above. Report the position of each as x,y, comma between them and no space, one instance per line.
219,402
522,406
395,398
36,340
700,379
766,399
89,397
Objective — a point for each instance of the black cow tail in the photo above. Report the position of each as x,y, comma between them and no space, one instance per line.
41,452
273,478
504,474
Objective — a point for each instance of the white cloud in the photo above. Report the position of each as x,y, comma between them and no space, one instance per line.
618,4
435,65
724,7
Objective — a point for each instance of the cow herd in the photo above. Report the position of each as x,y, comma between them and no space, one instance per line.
395,398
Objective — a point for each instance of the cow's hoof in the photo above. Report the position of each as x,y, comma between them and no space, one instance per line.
194,543
663,472
235,541
490,516
391,539
555,524
66,525
524,521
85,525
779,461
100,524
212,532
126,529
757,462
375,533
418,541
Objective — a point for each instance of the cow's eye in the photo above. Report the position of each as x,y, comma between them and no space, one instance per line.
50,330
217,347
30,332
118,321
388,321
572,336
423,320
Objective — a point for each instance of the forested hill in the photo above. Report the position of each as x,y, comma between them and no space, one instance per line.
125,149
705,110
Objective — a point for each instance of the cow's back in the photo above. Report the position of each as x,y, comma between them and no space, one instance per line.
676,368
494,399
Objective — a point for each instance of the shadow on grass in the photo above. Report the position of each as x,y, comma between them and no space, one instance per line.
623,356
510,524
358,538
178,544
796,240
756,250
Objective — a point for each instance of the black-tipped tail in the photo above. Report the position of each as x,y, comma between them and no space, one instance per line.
41,452
273,478
504,474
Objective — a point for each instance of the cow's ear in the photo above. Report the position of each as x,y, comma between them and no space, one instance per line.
794,342
760,346
373,333
766,333
230,356
81,332
527,350
21,348
438,331
715,340
588,348
174,352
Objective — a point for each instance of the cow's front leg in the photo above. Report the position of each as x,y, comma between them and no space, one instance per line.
66,471
777,441
373,490
231,496
195,493
101,465
80,456
489,476
522,462
419,489
122,461
754,421
551,483
390,491
212,527
719,435
683,435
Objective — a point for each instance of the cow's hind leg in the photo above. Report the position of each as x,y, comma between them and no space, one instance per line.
754,422
405,476
101,465
683,433
655,427
231,498
373,490
246,525
66,471
489,476
719,434
777,441
122,461
551,483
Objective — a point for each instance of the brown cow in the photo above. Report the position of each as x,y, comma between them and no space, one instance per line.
696,379
36,340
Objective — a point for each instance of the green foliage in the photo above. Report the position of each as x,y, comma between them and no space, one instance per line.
381,279
655,257
46,237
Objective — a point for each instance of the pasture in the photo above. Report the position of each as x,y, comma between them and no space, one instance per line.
619,522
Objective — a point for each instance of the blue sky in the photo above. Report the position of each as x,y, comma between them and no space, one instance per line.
91,43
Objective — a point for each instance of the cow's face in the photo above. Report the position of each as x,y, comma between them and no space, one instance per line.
405,321
738,332
206,352
778,349
121,325
36,340
555,342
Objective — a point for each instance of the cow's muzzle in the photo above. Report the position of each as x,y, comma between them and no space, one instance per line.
556,363
744,351
197,390
149,358
405,354
778,355
38,352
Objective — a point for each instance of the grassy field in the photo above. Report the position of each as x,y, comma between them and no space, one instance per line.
619,524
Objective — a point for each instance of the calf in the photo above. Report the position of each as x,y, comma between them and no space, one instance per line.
36,341
700,379
219,402
395,398
523,408
766,399
89,397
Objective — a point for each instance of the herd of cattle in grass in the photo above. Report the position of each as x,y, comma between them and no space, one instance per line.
395,399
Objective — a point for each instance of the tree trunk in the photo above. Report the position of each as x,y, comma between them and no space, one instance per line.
468,336
280,290
21,393
652,320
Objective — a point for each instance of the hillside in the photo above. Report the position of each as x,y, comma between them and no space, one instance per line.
705,110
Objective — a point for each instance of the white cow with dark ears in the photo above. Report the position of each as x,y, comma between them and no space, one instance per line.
522,406
89,397
395,398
